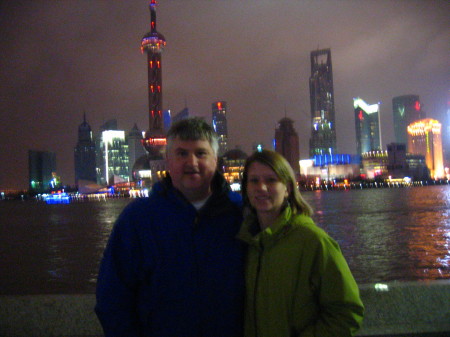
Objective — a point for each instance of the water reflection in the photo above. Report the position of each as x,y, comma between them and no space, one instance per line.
389,234
385,235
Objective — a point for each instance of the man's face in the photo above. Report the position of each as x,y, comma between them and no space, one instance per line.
192,164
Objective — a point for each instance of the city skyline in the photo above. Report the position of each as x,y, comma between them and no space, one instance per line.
61,61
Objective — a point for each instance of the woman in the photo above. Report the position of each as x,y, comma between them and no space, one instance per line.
298,282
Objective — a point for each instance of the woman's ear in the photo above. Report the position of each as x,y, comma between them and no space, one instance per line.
288,190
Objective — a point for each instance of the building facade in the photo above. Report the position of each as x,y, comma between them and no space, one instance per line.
219,121
41,170
84,154
406,109
112,158
287,143
367,126
183,114
323,128
232,164
424,138
135,148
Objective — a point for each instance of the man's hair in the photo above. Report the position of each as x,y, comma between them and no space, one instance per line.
284,172
193,128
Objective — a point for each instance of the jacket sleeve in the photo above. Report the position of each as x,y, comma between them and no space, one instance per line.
116,305
340,307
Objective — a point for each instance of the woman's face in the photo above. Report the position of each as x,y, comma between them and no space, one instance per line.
265,190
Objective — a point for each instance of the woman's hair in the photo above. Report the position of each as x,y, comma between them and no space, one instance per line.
284,171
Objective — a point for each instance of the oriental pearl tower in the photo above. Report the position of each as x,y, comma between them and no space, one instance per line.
153,44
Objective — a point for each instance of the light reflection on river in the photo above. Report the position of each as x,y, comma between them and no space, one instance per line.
385,235
389,234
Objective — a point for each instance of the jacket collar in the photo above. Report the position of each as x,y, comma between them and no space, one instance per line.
284,224
251,233
218,202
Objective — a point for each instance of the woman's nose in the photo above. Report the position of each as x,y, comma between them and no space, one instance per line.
262,186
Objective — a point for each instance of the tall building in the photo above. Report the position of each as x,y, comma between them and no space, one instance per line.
41,170
135,147
84,154
323,129
424,138
219,121
112,158
153,44
183,114
406,110
287,144
367,126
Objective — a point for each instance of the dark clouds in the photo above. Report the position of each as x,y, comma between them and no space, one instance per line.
61,58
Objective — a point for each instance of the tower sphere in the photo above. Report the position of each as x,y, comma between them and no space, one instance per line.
154,42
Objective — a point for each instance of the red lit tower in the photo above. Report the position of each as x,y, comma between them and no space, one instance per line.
153,44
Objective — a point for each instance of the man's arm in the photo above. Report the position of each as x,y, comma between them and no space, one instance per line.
116,305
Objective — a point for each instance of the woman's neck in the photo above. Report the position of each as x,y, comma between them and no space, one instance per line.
266,220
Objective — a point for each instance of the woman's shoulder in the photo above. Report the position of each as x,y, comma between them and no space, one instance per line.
304,225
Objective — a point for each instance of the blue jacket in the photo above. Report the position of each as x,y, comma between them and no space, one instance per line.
171,271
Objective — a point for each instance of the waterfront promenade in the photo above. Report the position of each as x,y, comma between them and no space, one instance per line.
392,309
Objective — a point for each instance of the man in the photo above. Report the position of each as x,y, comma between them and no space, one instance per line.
172,266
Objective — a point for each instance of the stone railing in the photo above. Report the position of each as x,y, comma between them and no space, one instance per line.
396,308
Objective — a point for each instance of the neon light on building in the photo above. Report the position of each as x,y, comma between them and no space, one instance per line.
424,138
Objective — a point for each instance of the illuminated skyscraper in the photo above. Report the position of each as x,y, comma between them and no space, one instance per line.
367,126
287,144
113,162
406,110
323,129
424,138
84,154
219,120
153,44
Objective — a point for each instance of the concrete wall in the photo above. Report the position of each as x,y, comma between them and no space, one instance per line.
398,308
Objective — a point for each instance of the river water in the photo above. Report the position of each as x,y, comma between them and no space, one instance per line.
386,234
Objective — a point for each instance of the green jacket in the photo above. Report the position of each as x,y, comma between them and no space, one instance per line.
298,282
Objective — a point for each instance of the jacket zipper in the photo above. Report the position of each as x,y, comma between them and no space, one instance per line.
255,290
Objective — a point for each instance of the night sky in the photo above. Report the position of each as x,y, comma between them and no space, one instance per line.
60,59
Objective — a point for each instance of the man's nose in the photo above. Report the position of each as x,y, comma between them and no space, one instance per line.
192,159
